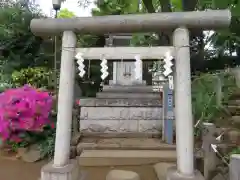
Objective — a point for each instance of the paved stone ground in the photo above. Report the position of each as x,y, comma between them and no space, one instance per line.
18,170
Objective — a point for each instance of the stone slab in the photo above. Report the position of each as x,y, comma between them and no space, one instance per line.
122,175
111,82
123,144
125,157
122,134
93,102
173,174
121,113
108,95
111,126
128,88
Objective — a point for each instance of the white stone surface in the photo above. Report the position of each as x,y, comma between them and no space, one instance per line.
183,103
121,119
123,73
122,175
65,100
121,113
120,126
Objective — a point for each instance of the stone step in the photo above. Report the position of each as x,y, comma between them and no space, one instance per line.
93,102
121,119
235,95
236,119
135,88
232,102
142,143
100,135
234,109
125,157
121,113
128,95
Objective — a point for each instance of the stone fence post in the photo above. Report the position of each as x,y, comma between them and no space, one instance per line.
234,168
210,158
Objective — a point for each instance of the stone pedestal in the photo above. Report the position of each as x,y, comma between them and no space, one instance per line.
69,172
173,174
122,109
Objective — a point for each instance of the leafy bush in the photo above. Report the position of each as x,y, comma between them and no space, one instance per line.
5,86
205,89
37,77
23,110
204,97
47,145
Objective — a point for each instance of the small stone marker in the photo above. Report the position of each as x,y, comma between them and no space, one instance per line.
234,167
122,175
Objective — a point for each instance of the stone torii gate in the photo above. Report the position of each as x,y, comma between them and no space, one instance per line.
64,169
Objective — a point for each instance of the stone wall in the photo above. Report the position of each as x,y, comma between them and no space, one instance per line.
121,119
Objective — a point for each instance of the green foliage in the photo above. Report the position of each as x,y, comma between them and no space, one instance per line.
229,38
110,7
205,89
47,145
141,39
234,151
65,13
204,97
20,48
176,5
5,86
39,77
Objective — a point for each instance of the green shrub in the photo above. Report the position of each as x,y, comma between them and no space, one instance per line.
205,99
5,86
38,77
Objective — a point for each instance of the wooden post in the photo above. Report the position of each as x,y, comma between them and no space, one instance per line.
234,168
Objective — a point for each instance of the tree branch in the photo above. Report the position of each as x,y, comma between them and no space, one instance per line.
149,6
165,5
189,5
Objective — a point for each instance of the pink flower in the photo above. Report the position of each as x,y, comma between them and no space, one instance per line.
78,102
24,109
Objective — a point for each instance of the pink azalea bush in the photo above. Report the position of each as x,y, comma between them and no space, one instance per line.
23,109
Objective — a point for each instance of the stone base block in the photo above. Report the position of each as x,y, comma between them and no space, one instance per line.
112,83
126,89
121,113
69,172
121,119
114,95
172,174
142,102
121,126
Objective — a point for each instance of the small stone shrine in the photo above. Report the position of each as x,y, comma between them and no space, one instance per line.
124,105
